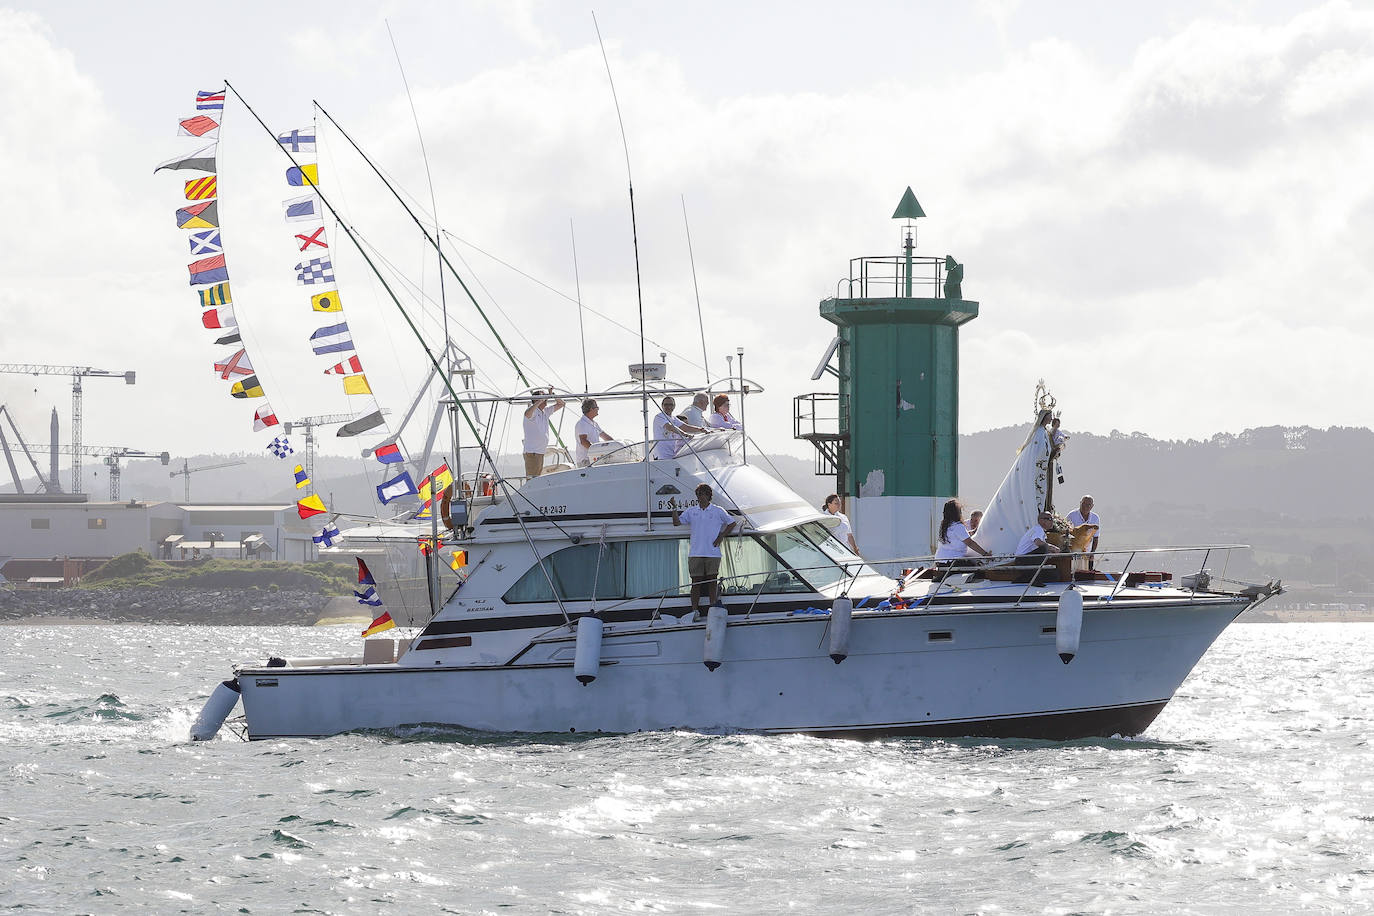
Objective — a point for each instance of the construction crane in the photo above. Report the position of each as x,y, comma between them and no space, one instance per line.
112,457
186,471
77,373
309,424
45,485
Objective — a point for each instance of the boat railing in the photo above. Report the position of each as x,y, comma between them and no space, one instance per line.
1197,581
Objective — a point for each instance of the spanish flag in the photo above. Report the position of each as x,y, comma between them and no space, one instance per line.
383,622
311,505
441,478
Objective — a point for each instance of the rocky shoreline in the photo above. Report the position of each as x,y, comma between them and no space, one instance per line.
152,604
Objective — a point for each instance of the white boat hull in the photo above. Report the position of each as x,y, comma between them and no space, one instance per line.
990,673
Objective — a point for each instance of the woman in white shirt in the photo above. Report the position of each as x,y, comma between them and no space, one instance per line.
955,542
720,414
842,532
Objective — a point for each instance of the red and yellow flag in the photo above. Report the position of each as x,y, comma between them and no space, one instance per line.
383,622
311,505
201,188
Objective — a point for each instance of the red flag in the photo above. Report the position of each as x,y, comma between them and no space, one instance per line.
198,126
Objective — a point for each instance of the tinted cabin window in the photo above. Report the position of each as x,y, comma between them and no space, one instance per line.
575,571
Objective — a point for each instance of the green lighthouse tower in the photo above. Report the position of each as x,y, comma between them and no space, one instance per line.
890,434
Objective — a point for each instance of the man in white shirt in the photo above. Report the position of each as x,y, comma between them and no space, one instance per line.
1034,545
1084,515
537,431
668,435
589,432
695,413
709,525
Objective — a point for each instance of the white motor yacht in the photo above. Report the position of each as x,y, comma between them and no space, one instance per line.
574,616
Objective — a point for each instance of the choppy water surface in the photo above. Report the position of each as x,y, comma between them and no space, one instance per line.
1253,791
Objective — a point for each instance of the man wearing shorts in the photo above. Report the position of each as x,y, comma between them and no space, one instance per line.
709,525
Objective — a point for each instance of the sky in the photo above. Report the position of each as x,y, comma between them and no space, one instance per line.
1164,210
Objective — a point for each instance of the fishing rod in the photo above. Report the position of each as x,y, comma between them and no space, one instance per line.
581,332
701,325
510,357
639,290
432,558
424,345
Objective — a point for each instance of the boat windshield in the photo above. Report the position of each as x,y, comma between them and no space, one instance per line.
850,563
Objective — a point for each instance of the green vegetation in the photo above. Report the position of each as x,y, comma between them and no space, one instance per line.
139,569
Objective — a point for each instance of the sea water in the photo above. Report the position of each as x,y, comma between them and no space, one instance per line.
1253,792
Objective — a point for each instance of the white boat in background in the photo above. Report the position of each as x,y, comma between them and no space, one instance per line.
574,617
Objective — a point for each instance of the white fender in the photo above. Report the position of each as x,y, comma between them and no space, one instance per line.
588,659
841,611
1068,625
714,649
222,702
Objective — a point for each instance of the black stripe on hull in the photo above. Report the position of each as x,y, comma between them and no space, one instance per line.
1127,721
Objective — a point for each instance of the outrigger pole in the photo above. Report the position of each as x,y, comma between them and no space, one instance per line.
639,290
438,367
515,364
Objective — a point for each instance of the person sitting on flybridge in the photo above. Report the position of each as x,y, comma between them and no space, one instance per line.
694,414
720,414
589,432
709,525
1033,545
668,434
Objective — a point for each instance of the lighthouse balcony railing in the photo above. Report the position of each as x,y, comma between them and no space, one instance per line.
886,276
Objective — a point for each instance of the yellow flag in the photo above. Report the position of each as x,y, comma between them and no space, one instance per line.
458,560
327,301
356,384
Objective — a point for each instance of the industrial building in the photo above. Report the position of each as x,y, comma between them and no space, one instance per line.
70,526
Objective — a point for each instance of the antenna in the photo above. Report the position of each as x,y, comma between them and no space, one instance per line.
639,288
705,360
577,279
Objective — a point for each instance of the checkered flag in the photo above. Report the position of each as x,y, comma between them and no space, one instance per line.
315,270
280,446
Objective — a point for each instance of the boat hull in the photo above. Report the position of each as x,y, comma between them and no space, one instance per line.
987,673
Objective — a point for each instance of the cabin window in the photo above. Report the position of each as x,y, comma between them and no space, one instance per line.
575,571
748,567
39,523
95,523
656,568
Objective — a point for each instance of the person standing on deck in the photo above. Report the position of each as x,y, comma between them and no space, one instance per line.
537,431
1084,515
694,414
843,532
709,525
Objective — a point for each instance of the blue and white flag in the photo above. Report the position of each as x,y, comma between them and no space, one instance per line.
206,242
327,537
368,595
210,101
396,487
303,209
280,446
315,270
333,338
298,141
